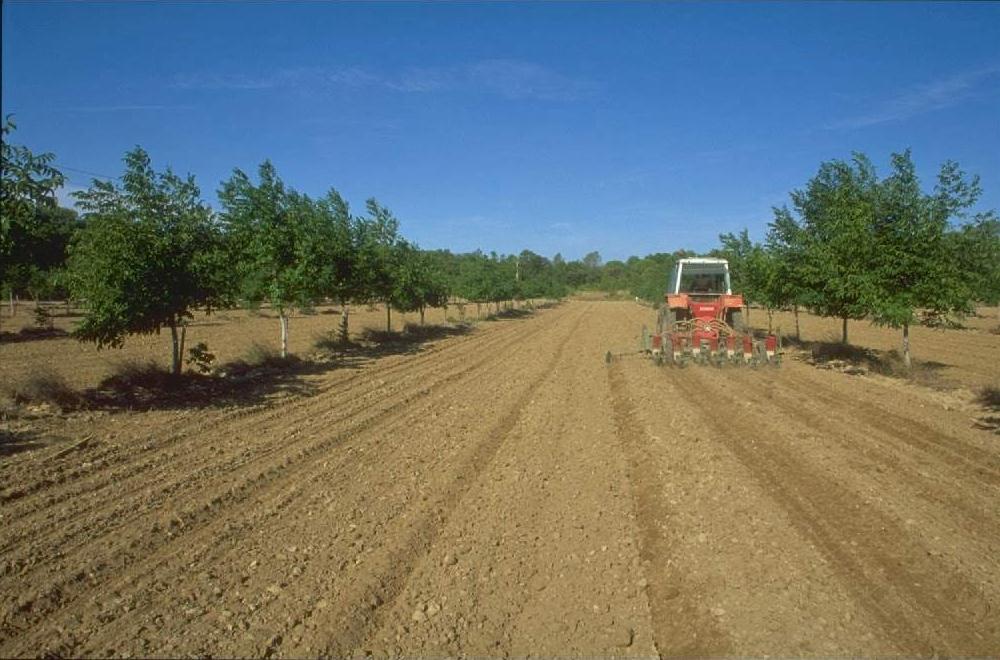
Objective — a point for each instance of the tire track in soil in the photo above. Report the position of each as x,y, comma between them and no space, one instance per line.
979,521
968,460
285,417
347,640
156,549
888,572
217,528
692,633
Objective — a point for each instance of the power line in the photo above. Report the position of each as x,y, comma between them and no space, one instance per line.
87,172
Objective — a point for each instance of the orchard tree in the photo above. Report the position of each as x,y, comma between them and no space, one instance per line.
976,248
830,239
28,182
276,243
340,236
916,266
378,257
417,285
143,260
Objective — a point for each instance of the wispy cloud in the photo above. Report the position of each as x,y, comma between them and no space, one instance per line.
124,108
928,97
512,79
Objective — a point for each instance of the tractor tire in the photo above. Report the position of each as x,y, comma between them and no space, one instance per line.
736,321
665,319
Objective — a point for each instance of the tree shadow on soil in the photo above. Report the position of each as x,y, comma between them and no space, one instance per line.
886,363
508,314
375,344
989,399
15,441
255,380
32,334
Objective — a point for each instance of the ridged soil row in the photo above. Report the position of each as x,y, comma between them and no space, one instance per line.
222,511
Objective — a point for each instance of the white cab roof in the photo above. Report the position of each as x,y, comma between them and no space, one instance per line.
702,260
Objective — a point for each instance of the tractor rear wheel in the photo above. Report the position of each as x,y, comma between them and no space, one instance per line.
736,321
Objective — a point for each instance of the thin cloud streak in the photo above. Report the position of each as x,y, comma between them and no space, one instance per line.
935,95
127,108
511,79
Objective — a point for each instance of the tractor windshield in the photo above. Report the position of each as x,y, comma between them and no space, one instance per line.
704,278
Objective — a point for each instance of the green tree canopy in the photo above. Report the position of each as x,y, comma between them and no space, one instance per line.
143,260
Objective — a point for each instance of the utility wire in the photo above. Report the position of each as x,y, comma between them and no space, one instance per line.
74,169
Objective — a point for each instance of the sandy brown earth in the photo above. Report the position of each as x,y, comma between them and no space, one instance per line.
505,492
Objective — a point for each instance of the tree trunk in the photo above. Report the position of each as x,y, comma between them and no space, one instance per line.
175,356
12,302
748,315
180,353
843,338
388,317
283,318
343,333
798,335
479,311
421,315
906,345
770,318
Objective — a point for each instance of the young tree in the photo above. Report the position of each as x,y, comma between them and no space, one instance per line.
340,243
276,240
915,265
417,286
141,261
28,183
976,248
379,255
830,238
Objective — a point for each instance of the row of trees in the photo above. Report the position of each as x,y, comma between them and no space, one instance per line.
856,246
147,252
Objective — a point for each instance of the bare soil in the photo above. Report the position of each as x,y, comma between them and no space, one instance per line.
505,492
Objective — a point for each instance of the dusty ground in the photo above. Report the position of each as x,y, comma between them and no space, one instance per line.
506,492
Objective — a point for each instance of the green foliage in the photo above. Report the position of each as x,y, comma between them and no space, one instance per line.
825,252
272,240
28,182
859,247
200,358
916,265
143,261
976,249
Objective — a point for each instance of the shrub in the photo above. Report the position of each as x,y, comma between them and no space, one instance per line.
200,358
43,318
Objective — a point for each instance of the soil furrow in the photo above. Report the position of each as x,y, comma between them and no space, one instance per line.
692,633
924,609
210,506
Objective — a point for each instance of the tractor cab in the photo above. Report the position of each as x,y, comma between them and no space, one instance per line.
700,277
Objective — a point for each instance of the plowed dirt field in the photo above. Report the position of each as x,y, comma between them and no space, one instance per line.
505,492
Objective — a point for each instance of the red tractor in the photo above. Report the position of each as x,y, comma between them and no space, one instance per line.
702,320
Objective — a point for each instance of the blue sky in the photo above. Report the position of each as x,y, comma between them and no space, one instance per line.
623,128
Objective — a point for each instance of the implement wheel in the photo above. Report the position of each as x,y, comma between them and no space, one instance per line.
736,321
